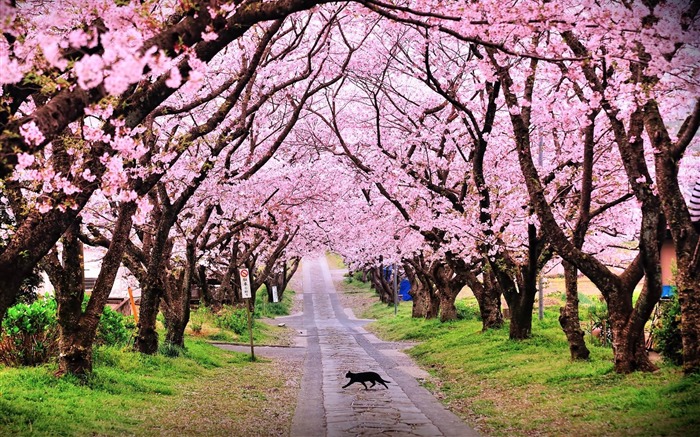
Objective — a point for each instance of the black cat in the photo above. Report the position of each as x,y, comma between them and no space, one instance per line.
363,377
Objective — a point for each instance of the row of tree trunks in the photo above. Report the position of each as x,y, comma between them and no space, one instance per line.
424,300
382,284
281,277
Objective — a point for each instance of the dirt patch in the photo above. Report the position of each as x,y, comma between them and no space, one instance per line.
255,399
359,301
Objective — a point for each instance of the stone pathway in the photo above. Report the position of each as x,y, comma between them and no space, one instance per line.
336,344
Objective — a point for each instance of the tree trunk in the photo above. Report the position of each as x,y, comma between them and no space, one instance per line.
569,316
688,283
204,286
147,337
422,302
488,296
177,311
382,286
629,350
448,310
448,283
521,305
74,355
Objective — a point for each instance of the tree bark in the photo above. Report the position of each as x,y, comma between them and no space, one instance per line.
382,286
448,283
488,296
77,328
569,315
425,302
521,303
154,288
685,233
74,355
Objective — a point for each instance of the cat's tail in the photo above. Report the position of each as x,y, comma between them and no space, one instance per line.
384,380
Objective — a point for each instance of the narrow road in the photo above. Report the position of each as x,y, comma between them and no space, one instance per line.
336,344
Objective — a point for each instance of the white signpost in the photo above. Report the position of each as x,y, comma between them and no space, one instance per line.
246,294
275,298
245,284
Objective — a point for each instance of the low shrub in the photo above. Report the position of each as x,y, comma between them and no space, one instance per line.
234,319
170,350
467,309
600,322
29,333
264,308
114,329
668,332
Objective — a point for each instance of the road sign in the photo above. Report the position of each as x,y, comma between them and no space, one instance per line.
275,298
245,284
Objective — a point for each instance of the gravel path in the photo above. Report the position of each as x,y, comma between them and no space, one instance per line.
337,343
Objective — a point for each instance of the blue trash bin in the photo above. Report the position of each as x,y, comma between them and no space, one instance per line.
668,291
404,288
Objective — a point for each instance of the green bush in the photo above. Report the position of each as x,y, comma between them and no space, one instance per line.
263,308
114,329
467,309
600,322
29,333
170,350
198,318
668,333
234,319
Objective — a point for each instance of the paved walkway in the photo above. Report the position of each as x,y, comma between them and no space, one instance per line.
336,344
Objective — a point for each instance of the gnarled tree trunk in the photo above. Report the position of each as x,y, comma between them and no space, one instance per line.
569,317
424,299
488,296
448,283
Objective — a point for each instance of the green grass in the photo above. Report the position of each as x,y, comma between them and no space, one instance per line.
123,385
506,387
263,308
335,261
262,333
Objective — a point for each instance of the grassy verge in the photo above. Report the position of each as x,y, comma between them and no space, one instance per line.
207,325
531,387
205,391
335,261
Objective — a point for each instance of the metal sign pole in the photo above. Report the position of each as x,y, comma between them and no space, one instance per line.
248,295
396,288
250,330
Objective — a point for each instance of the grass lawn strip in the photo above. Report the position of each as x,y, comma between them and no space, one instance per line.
206,391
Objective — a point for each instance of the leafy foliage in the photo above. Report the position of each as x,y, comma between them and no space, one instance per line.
114,329
235,319
263,308
600,322
668,334
29,333
467,309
